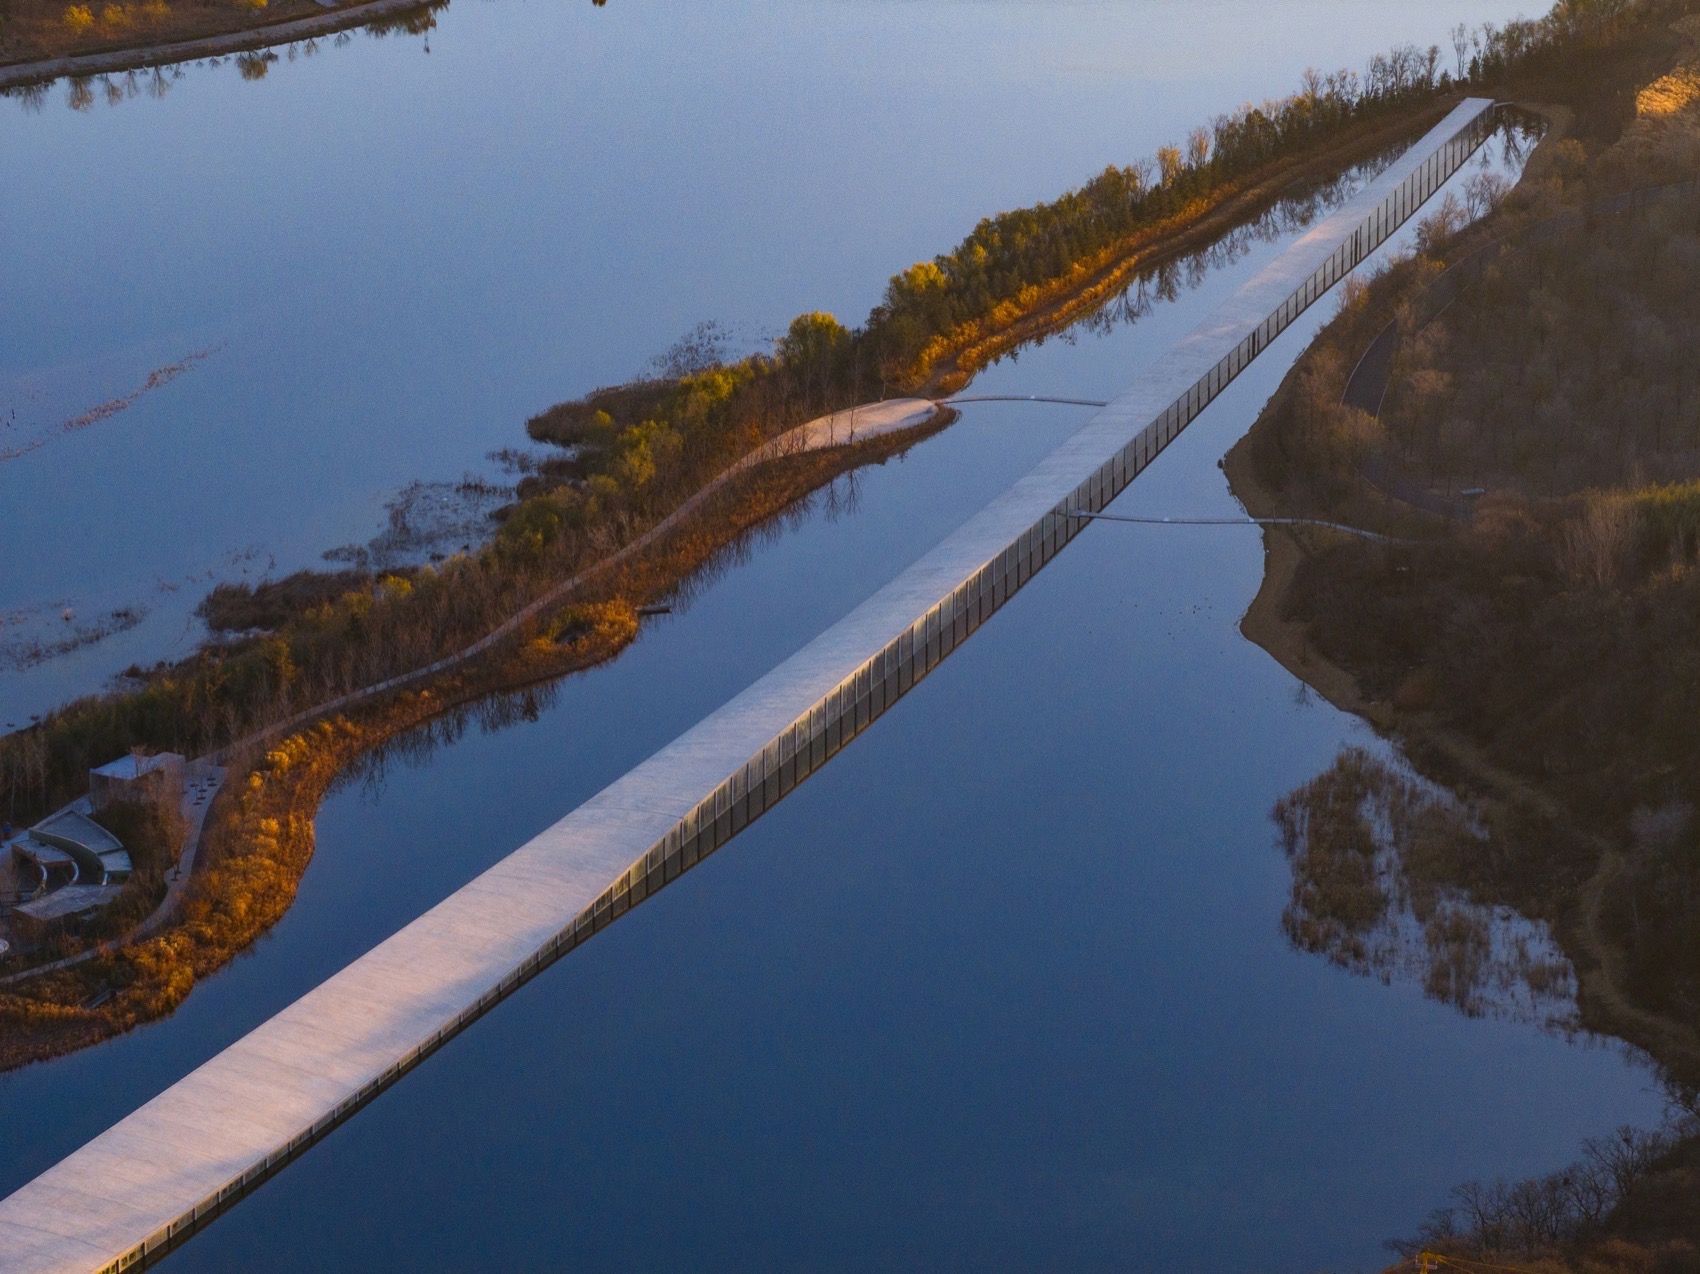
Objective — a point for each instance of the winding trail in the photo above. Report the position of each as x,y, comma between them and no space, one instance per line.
207,774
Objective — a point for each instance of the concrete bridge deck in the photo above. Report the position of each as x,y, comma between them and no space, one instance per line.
147,1183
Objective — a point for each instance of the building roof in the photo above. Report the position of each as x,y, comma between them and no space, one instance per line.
97,851
79,828
133,767
69,901
41,852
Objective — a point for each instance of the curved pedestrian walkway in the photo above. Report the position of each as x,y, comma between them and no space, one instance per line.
147,1183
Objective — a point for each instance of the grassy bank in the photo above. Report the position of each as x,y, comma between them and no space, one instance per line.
1538,661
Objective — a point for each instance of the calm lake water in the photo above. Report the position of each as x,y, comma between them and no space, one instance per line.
392,257
1003,986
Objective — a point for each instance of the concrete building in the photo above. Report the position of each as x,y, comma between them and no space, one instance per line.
136,778
35,920
100,856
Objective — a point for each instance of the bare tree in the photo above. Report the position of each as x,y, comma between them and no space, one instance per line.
1595,547
1460,45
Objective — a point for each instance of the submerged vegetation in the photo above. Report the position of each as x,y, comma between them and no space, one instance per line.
1530,639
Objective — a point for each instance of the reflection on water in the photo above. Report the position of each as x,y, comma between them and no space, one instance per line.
1005,985
1296,211
119,87
1006,981
413,749
403,256
1162,284
1386,869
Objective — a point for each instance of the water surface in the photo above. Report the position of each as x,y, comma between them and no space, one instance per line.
394,251
1003,986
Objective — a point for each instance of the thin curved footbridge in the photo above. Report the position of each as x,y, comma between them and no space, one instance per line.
146,1184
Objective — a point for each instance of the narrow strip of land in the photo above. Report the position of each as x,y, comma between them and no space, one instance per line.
840,429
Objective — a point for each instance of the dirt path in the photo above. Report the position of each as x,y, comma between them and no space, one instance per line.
201,786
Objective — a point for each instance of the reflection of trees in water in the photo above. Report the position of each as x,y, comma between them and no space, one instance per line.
491,714
837,499
1381,864
413,749
1296,211
419,21
119,87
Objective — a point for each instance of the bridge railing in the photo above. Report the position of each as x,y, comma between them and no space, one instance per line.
861,698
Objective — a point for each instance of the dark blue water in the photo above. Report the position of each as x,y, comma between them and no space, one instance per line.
1002,987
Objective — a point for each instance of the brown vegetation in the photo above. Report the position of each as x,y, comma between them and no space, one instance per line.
1387,871
632,455
1539,658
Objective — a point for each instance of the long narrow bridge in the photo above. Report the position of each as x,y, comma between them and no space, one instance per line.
146,1184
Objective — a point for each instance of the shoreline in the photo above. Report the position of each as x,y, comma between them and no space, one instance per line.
272,802
1424,742
1091,283
191,48
1429,747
